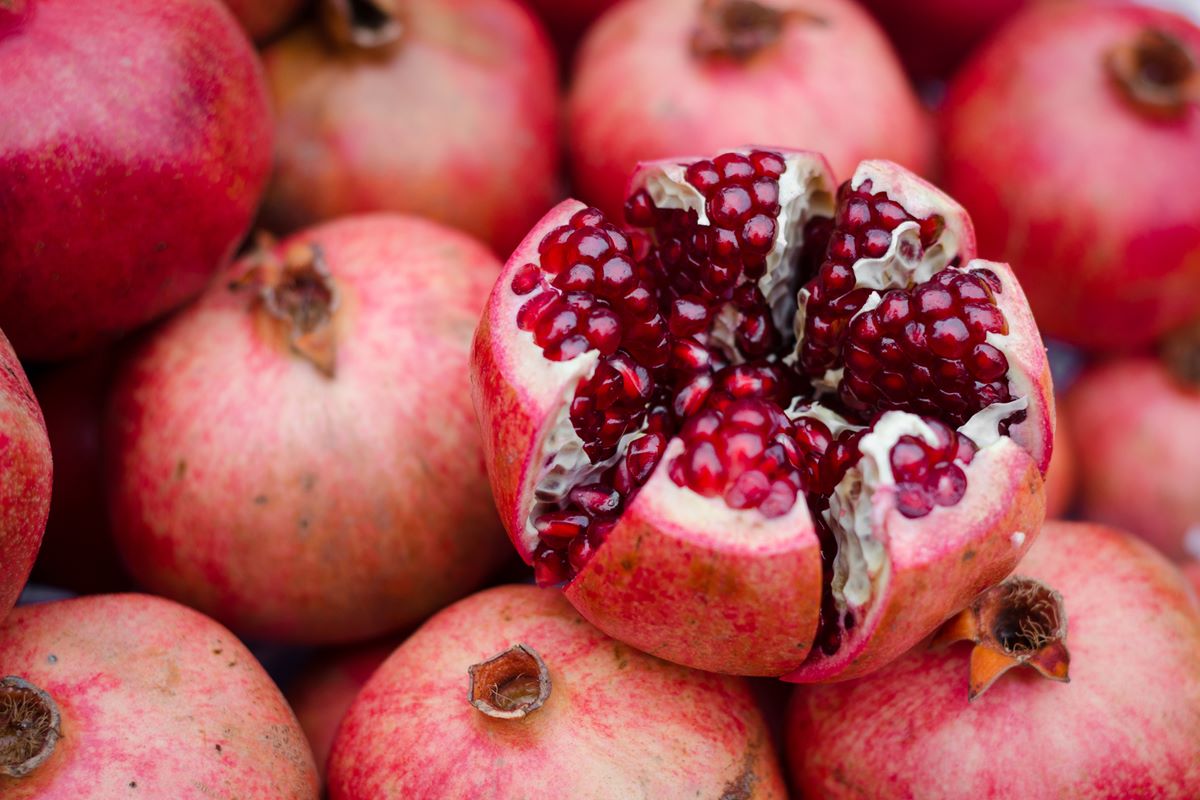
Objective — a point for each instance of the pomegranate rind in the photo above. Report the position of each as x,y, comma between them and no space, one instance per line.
921,199
692,581
935,565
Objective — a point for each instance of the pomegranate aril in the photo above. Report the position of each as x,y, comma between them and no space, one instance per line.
643,456
949,338
703,175
577,277
689,316
912,500
779,500
758,234
527,279
704,468
730,206
549,567
946,484
767,164
560,526
987,363
531,312
909,460
734,167
933,302
749,490
603,331
876,243
595,499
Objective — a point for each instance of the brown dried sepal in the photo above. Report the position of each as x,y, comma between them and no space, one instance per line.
511,685
1156,72
299,293
740,29
1020,621
362,24
29,727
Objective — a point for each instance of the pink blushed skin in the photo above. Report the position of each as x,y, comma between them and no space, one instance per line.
156,700
1074,185
457,122
131,183
1139,451
323,693
909,730
25,477
617,722
300,507
262,19
791,94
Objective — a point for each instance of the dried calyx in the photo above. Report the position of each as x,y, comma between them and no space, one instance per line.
1018,622
362,24
511,685
1157,73
740,29
29,727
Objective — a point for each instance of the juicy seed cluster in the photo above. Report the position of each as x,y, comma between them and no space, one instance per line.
929,475
925,350
862,229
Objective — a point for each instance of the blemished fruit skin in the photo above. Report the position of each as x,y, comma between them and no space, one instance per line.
25,477
1071,182
156,700
1126,725
457,121
297,506
262,19
1139,451
617,722
638,93
128,186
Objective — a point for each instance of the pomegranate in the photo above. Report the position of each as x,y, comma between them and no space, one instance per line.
322,695
1141,453
658,77
1067,138
25,477
117,696
1129,622
739,478
447,110
262,19
553,708
1061,477
296,453
127,186
78,552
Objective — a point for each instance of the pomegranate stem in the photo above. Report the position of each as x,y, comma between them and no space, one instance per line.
362,24
1156,72
511,685
29,726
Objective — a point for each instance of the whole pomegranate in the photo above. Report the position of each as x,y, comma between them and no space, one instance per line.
552,708
262,19
910,730
296,454
118,696
448,109
1062,476
322,694
126,187
78,552
741,478
1140,452
659,77
25,477
1068,138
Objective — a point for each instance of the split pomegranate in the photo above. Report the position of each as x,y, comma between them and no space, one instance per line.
25,477
1140,456
118,696
741,477
658,77
296,453
262,19
509,693
910,730
1069,138
446,110
131,182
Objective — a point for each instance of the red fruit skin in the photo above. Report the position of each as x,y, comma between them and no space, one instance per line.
1071,184
262,19
25,477
638,94
617,723
131,183
1140,452
156,701
78,552
909,731
297,507
457,122
1062,477
322,695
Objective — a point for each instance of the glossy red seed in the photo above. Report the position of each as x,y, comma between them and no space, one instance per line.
526,279
767,163
549,567
758,233
603,330
734,167
913,500
949,338
703,175
689,315
532,310
987,363
730,206
876,243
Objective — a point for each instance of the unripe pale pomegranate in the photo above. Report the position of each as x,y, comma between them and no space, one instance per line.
1139,450
1069,137
1126,725
1062,477
118,696
126,187
442,108
296,454
509,693
323,693
655,78
739,477
25,477
262,19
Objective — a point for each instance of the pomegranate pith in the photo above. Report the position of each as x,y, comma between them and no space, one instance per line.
703,385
